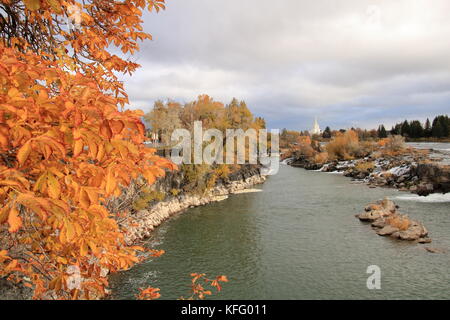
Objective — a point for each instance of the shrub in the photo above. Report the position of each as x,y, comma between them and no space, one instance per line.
222,171
321,157
393,144
402,223
306,150
344,146
146,197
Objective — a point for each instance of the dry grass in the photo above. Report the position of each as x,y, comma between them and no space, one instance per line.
365,166
393,145
344,146
321,158
402,223
305,149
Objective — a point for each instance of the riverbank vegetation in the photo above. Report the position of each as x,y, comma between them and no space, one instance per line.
342,146
437,130
165,117
386,162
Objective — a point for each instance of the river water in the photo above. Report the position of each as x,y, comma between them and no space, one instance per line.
297,239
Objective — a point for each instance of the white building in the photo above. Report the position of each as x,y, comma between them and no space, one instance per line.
316,128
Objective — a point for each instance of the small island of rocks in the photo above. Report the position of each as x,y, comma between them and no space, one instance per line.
386,219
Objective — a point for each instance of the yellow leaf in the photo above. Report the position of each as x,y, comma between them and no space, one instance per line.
111,182
24,152
33,203
32,4
84,199
101,152
149,176
55,5
70,231
4,213
61,260
54,189
13,92
84,249
93,247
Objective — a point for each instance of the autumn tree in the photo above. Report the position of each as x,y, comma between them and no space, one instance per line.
80,36
239,115
164,119
66,147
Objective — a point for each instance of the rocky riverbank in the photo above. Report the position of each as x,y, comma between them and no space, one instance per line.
140,225
412,171
386,220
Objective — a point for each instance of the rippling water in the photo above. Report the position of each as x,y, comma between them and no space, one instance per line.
298,239
441,150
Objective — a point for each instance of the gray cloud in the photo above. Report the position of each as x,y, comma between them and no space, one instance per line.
351,63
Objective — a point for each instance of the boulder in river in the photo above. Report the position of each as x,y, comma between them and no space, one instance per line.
387,221
387,230
434,250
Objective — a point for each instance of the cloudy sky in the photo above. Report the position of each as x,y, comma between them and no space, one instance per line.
348,62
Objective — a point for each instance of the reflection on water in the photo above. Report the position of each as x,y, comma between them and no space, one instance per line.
298,239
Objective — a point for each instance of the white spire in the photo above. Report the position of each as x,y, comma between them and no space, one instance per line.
316,128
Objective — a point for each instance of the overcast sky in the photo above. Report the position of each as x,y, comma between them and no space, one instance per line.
348,62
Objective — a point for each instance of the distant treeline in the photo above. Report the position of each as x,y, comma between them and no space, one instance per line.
439,128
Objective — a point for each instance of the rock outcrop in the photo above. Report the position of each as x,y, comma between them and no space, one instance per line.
414,172
387,221
433,177
140,225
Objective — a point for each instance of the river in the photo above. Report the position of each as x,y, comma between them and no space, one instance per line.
297,239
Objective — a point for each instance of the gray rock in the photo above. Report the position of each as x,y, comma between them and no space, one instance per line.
379,223
434,250
389,205
413,233
369,216
387,230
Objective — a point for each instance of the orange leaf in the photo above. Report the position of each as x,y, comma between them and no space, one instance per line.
116,126
14,221
105,130
78,147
